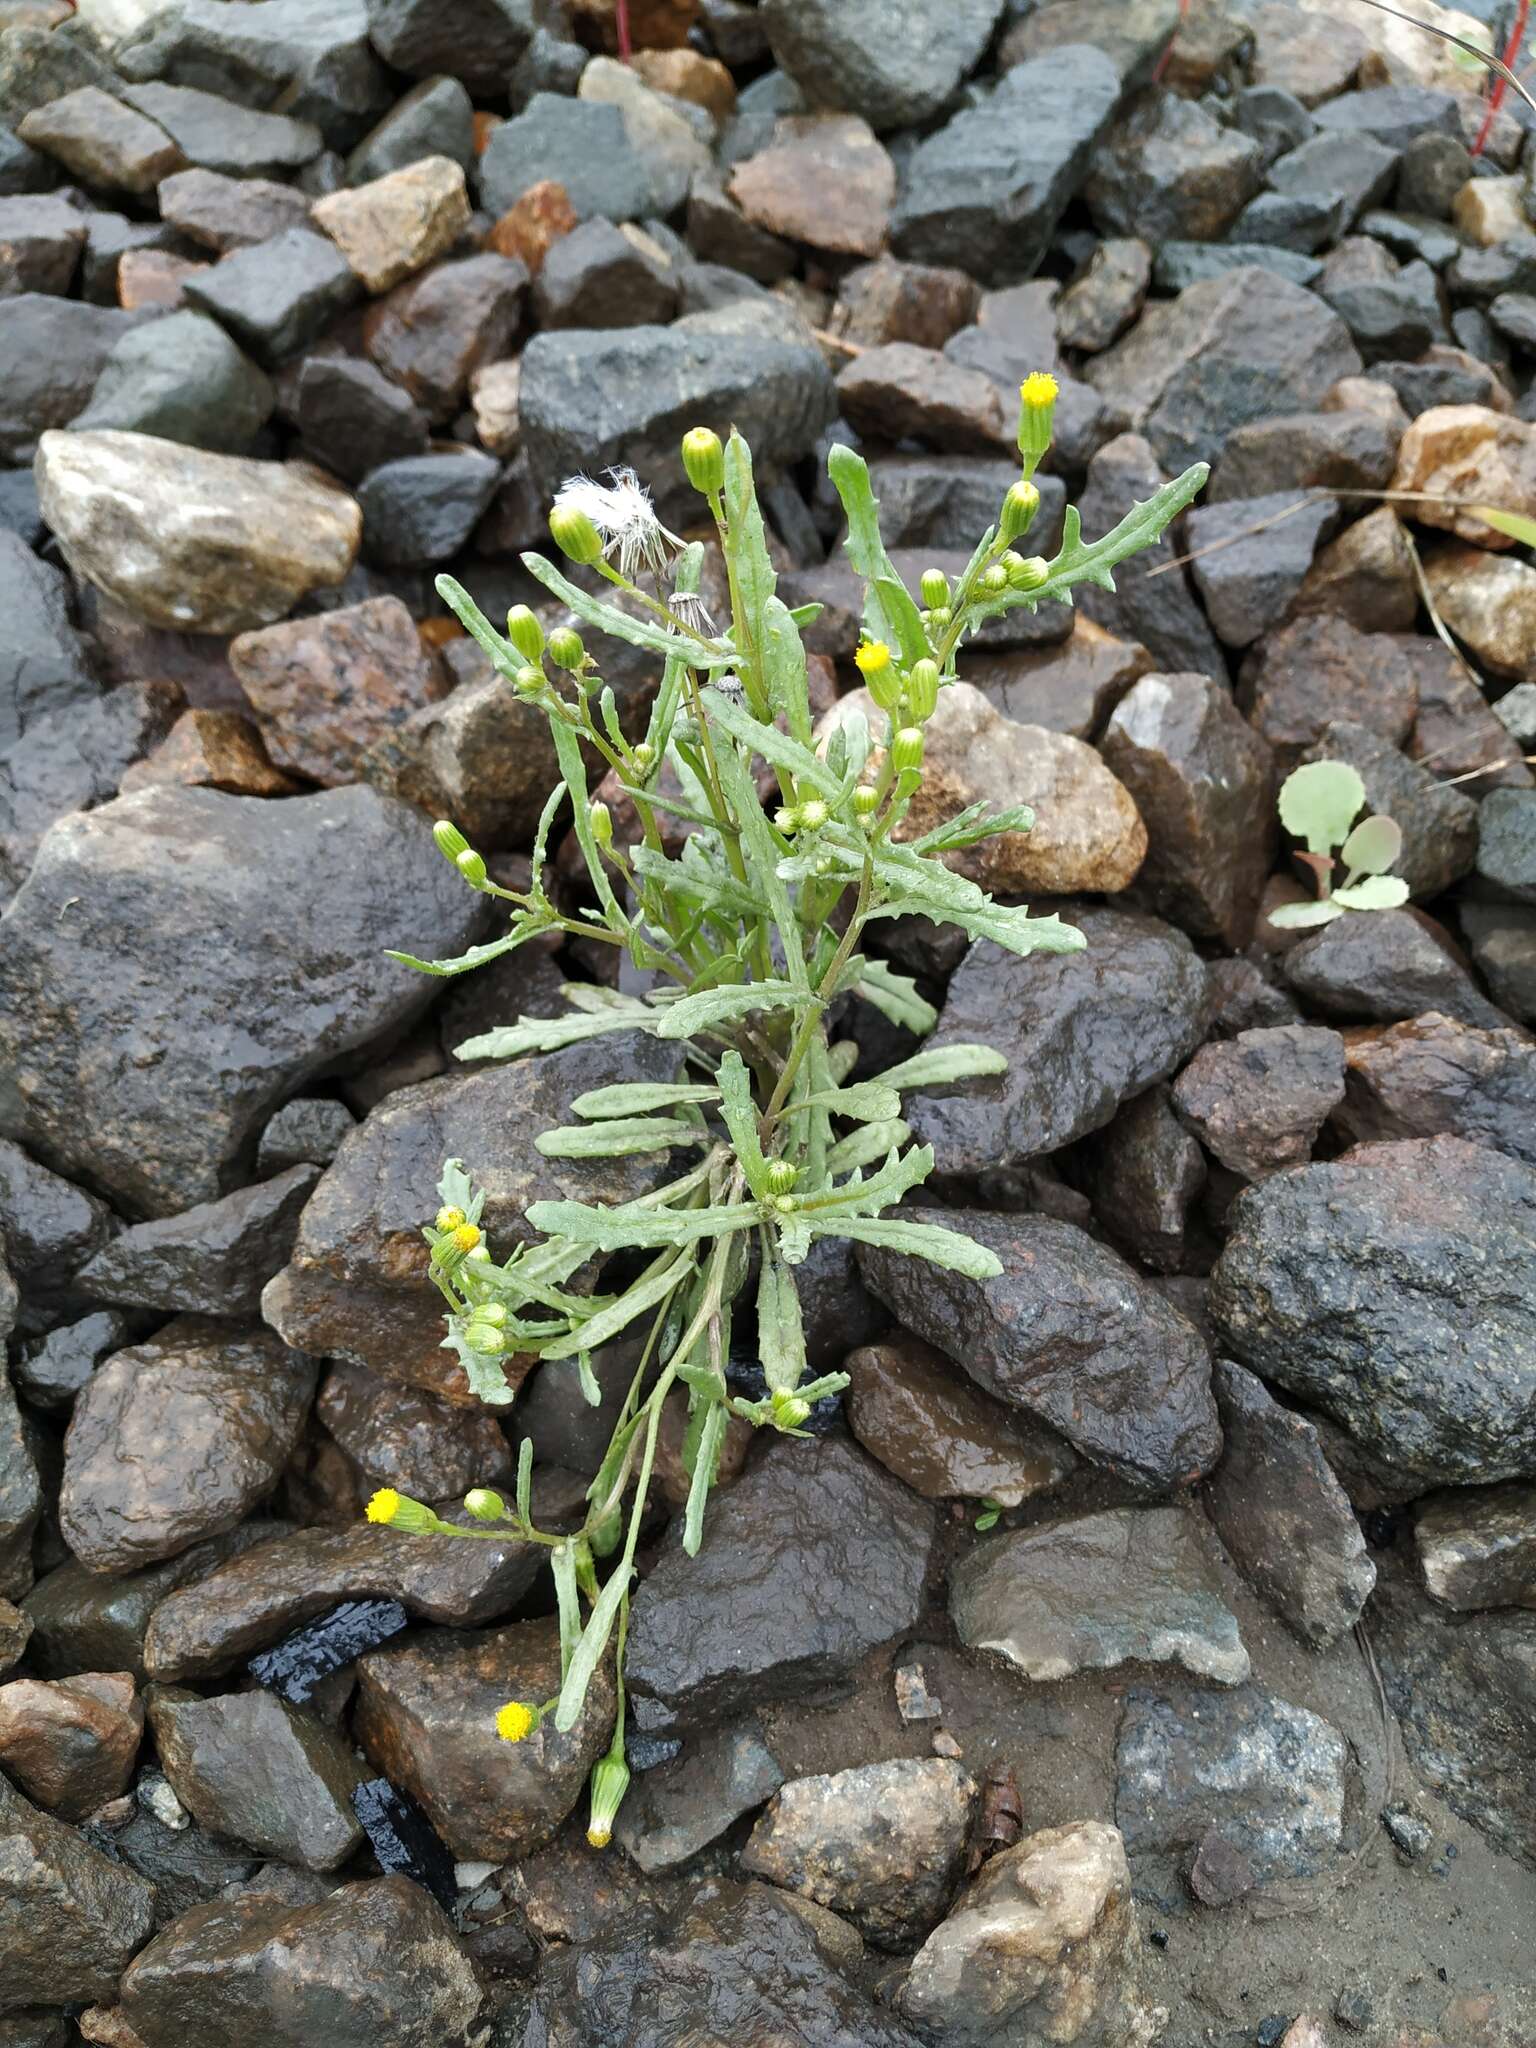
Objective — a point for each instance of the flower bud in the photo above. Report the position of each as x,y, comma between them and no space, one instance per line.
528,682
872,659
907,750
994,579
782,1175
1029,574
610,1781
471,866
449,1217
790,1410
787,817
939,617
1037,412
450,841
866,800
813,814
525,632
704,460
565,648
1019,509
643,757
575,535
923,689
485,1504
935,588
601,819
399,1511
467,1235
482,1334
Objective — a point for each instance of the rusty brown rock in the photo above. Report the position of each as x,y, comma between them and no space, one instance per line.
325,689
824,179
912,1409
903,393
71,1743
533,224
1072,688
433,332
211,750
404,1438
396,225
889,300
688,75
153,277
426,1716
1258,1101
1472,453
1432,1074
1316,670
15,1632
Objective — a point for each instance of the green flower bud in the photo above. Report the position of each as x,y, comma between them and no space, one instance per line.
790,1410
704,460
884,685
528,682
866,800
935,588
575,535
786,1204
782,1175
485,1504
471,866
923,689
994,579
1019,509
1029,574
643,757
566,649
525,632
940,616
813,813
602,822
907,750
610,1781
449,1217
787,817
483,1334
450,841
398,1511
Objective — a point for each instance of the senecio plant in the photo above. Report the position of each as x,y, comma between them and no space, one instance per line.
1319,803
752,938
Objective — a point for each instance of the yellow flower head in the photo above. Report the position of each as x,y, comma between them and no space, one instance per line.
384,1506
873,657
449,1218
466,1237
1039,389
516,1720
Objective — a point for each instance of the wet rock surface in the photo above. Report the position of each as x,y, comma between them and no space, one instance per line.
1257,1101
73,1920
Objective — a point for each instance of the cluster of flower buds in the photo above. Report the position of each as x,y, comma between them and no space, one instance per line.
484,1328
805,814
458,852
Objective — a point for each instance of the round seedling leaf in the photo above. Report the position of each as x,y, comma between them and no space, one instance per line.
1373,892
1290,915
1320,801
1373,846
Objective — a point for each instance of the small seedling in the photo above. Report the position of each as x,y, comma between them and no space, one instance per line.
1319,803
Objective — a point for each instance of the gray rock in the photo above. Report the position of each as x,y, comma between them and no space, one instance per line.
1298,222
72,1919
185,380
51,353
1396,1290
1172,172
1142,1172
435,119
21,1490
601,276
191,874
1382,967
1353,168
1152,603
479,43
279,294
986,191
48,1229
1506,842
1283,1516
883,1845
106,144
1072,1335
1386,317
714,1634
43,666
373,1961
258,1771
1132,33
433,332
1133,1585
37,67
892,63
1249,579
1177,265
215,1258
1397,115
311,1127
212,135
40,241
224,213
1257,1101
1352,450
1267,1776
1477,1547
588,146
51,1370
1225,352
1503,942
1098,306
670,1814
1083,1033
353,419
421,509
1431,1075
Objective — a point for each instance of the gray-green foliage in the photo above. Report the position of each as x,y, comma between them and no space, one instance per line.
1318,804
754,936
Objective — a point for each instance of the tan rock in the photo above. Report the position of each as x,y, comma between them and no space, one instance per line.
71,1743
1489,601
1365,576
397,224
108,2027
532,224
153,277
689,75
1474,454
211,750
1489,210
824,179
493,394
1088,834
196,542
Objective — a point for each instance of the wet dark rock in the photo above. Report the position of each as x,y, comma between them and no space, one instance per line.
1249,579
586,145
600,275
421,509
353,418
373,1961
51,1370
1223,353
70,1744
214,1259
912,1410
310,1128
183,379
426,1716
1284,1518
883,1845
740,1960
295,1666
178,1438
277,295
1506,842
1269,1777
1463,1691
186,1865
1131,1585
1477,1547
986,190
1136,996
1070,688
357,1288
168,1121
1172,172
1070,1334
252,1768
413,1441
1259,1100
1502,938
15,1633
670,1814
1430,1075
1393,1289
404,1841
890,66
235,141
1220,1874
249,1604
713,1634
51,353
21,1492
72,1919
1143,1172
1204,783
1318,671
1048,1928
43,667
1151,602
1385,966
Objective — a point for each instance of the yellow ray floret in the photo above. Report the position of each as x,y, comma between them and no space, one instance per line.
872,657
384,1506
515,1720
1039,388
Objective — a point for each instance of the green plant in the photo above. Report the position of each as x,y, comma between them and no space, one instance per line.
1319,803
753,934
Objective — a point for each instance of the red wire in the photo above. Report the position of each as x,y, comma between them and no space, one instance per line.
1163,61
1501,84
621,19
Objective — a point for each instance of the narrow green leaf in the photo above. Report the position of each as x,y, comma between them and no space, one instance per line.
895,996
706,1463
572,767
973,825
867,1101
936,1066
619,1139
660,1279
588,1653
547,1034
889,611
1094,562
723,1006
476,956
620,626
505,658
867,1145
940,1247
639,1098
524,1494
780,1325
1515,524
562,1564
776,748
740,1114
591,1392
630,1224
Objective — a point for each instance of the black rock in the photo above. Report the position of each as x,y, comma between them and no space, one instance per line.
43,666
1070,1333
353,418
310,1128
183,379
1387,317
404,1840
48,1229
1506,842
942,501
186,1865
421,509
1502,937
895,62
51,353
1382,966
478,41
215,1258
680,1809
599,276
51,1370
279,294
1172,172
1301,222
437,118
586,146
296,1665
1249,579
1354,451
1142,1172
21,1490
